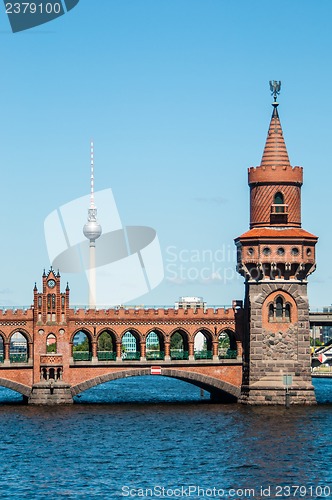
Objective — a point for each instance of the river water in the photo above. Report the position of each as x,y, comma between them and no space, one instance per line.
152,437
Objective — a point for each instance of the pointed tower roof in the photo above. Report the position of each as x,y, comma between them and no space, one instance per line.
275,152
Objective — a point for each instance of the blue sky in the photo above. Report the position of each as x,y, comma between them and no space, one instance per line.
175,95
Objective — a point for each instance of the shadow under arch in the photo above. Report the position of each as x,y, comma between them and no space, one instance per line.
15,386
220,391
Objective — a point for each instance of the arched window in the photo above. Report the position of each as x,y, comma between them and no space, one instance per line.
179,345
155,345
227,347
271,312
203,345
278,198
106,347
287,312
19,349
82,347
279,209
130,347
51,343
278,206
279,307
279,311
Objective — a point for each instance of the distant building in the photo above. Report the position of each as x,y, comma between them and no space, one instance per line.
129,341
190,303
326,330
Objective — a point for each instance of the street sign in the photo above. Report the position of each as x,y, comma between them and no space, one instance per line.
288,380
155,370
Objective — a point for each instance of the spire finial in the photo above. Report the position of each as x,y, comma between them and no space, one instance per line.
92,181
275,151
275,87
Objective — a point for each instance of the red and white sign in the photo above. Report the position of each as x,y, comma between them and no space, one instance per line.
155,370
322,358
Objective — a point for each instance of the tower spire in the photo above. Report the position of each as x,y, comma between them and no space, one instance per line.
275,151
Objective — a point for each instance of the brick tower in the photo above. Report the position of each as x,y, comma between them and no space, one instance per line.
275,257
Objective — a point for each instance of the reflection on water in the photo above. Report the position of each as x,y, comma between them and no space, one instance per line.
91,451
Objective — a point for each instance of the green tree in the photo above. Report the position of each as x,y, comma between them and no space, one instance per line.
176,341
51,347
83,346
105,342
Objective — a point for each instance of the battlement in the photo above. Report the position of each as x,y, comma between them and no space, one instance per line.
275,173
15,314
140,312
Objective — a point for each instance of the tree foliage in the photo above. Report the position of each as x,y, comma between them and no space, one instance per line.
105,342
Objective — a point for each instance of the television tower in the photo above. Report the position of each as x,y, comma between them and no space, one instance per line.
92,230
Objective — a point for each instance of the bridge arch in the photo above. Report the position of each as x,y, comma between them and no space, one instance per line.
107,343
20,346
84,330
179,344
110,331
23,332
15,386
160,335
227,343
217,388
206,335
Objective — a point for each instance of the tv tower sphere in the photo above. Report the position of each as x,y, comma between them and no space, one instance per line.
92,230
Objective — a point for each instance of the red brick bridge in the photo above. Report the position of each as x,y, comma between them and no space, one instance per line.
44,377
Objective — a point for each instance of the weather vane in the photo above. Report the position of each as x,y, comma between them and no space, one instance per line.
275,88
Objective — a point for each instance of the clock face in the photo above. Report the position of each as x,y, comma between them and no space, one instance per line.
51,283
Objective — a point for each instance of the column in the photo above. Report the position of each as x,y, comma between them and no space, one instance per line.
6,359
191,351
167,351
30,353
143,350
118,350
215,344
71,359
94,351
239,350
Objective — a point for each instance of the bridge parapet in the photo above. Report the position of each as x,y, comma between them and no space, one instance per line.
213,312
15,313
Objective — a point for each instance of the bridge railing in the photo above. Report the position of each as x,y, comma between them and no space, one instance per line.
106,356
131,356
155,355
229,354
18,358
179,355
82,356
203,355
